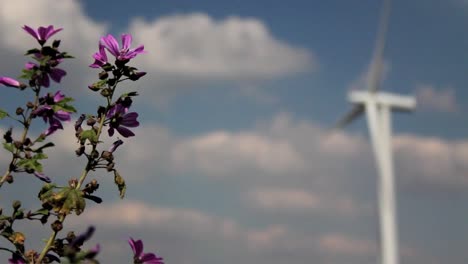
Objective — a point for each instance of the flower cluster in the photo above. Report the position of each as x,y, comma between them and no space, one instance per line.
54,108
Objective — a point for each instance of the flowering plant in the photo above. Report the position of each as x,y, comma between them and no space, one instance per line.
54,108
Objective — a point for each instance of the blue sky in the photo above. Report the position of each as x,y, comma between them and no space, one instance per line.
235,161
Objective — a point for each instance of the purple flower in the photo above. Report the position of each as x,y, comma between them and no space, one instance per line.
120,120
7,81
115,145
41,176
141,258
55,74
100,57
48,114
79,240
42,34
125,53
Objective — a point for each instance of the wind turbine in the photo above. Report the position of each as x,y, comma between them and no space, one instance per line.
378,106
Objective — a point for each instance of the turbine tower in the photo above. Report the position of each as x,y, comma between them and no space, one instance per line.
378,107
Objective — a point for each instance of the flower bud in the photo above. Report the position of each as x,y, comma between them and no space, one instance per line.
56,43
17,238
105,92
7,136
93,88
121,63
137,75
56,226
54,63
103,75
27,142
111,82
91,121
9,179
44,219
110,166
80,150
72,183
19,111
107,67
16,205
101,110
94,154
18,144
19,215
107,155
70,236
30,105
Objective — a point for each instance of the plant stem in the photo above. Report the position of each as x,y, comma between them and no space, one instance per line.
50,242
27,124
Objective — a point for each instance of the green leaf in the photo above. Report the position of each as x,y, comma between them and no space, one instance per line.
42,211
40,156
89,135
130,94
32,51
9,146
3,114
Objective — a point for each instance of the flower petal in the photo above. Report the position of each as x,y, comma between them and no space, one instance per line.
10,82
125,132
150,258
41,176
56,74
51,32
115,145
62,115
137,246
126,41
31,32
111,44
58,96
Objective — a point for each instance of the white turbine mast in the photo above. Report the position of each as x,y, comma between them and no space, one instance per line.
378,106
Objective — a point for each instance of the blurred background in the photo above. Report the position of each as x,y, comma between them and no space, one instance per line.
234,161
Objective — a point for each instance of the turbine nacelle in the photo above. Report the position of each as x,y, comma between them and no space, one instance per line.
394,101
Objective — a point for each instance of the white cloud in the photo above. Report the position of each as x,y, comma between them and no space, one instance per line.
341,244
440,100
196,45
432,161
289,199
222,151
184,234
297,200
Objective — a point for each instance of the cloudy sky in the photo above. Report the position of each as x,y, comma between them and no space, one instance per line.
234,161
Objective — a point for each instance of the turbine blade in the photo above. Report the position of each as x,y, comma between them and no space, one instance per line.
375,72
350,116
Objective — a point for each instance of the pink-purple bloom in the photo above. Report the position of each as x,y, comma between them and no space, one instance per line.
55,74
100,57
10,82
120,120
143,258
49,115
41,176
124,53
115,145
42,34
